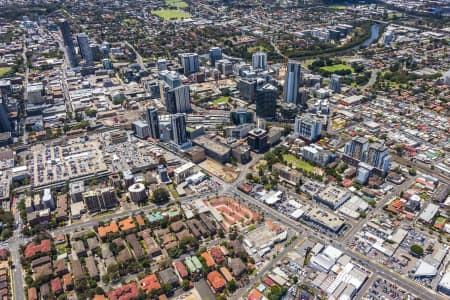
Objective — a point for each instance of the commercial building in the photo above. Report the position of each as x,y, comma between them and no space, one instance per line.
259,60
137,192
363,172
247,88
428,214
85,49
68,42
178,100
214,149
76,190
287,174
107,64
215,54
224,66
184,171
35,93
292,82
196,154
332,196
140,129
326,220
308,127
239,131
378,156
444,284
189,62
257,140
171,78
47,200
178,124
335,83
153,122
357,148
98,200
316,154
241,116
266,101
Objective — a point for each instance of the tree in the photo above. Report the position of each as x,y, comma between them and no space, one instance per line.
161,195
277,293
185,284
417,250
231,286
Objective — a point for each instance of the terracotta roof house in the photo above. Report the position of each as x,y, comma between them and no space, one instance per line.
150,283
216,281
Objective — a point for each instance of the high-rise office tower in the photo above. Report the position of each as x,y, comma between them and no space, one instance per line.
189,62
68,42
224,66
266,101
335,83
308,127
357,148
85,48
178,100
97,54
171,78
178,122
259,60
215,54
153,122
247,88
292,82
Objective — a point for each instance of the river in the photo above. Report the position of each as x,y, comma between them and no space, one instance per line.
374,35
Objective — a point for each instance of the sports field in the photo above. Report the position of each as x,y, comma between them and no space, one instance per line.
171,14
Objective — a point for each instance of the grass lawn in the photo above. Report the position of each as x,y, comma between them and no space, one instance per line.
176,3
173,191
256,49
221,100
298,163
340,7
4,71
171,14
338,67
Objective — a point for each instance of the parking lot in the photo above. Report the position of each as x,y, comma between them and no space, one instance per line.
383,289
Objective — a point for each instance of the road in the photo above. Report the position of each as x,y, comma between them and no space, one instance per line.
139,58
376,268
300,230
241,292
373,78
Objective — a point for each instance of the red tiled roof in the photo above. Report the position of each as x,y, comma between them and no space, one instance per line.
56,285
104,230
140,220
32,293
254,295
216,280
181,269
150,283
217,254
209,260
125,292
33,249
269,282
